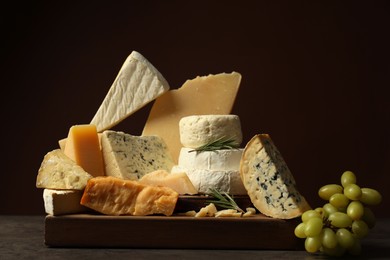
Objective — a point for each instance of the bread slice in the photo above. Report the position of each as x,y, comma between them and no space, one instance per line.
269,182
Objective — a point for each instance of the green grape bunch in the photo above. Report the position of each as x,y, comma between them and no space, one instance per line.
337,228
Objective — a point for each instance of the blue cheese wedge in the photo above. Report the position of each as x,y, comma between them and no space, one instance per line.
130,157
269,182
137,83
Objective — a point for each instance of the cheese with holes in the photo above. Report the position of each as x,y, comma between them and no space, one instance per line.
131,157
82,146
113,196
269,182
204,180
62,202
58,171
212,94
176,181
219,160
137,83
198,130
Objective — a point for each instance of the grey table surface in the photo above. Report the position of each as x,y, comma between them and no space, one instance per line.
22,237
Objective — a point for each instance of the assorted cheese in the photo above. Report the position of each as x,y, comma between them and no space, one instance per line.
130,157
116,173
137,83
58,171
114,196
206,95
269,182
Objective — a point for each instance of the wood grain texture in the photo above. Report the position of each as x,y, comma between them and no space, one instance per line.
176,232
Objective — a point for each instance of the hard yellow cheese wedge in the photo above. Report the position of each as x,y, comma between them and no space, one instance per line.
83,146
114,196
212,94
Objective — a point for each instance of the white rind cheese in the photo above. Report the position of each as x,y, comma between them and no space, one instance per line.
223,181
61,202
58,171
269,182
130,157
218,160
137,83
198,130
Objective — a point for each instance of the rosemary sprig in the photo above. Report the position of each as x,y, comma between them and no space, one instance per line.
223,200
219,144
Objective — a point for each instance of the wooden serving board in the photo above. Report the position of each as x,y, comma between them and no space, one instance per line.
174,232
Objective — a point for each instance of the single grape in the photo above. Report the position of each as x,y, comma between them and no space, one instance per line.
370,196
339,200
369,217
329,239
320,211
345,238
355,210
348,177
308,214
340,220
300,230
313,227
352,191
359,228
329,208
326,191
312,244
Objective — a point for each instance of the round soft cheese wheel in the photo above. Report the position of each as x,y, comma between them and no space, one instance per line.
218,160
198,130
223,181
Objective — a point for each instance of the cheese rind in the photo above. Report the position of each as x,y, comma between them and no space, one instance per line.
114,196
218,160
137,83
198,130
269,182
131,157
223,181
206,95
61,202
58,171
82,146
178,182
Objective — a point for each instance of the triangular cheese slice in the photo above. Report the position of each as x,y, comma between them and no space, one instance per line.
268,180
212,94
58,171
137,83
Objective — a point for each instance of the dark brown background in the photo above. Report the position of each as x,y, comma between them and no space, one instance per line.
315,77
